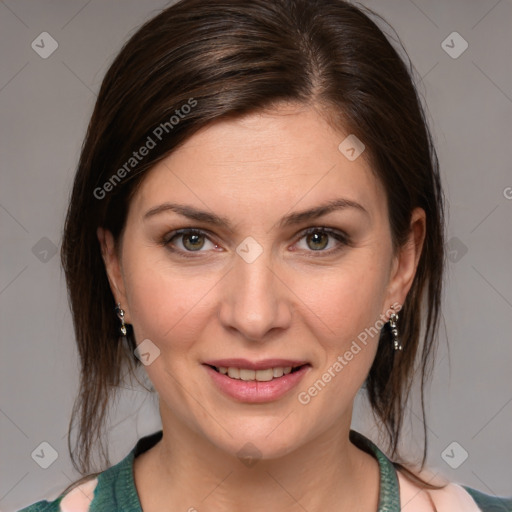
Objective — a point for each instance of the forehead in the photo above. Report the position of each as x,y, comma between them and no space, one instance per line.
263,164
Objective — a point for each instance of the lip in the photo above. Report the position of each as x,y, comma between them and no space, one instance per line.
255,391
255,365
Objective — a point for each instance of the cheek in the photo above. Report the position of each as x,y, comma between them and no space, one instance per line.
165,303
344,315
346,300
347,329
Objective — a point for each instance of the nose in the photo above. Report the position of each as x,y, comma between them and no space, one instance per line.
255,299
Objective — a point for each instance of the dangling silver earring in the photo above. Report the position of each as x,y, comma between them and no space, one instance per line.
394,330
120,314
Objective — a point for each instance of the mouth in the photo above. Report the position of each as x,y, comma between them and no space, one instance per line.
256,382
260,375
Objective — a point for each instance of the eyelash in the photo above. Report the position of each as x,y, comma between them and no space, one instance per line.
341,237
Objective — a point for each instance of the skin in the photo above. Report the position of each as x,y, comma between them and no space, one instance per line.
292,302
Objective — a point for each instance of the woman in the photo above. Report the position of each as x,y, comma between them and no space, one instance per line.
257,218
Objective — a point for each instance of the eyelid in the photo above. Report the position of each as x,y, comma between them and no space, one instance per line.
342,239
186,231
323,229
166,239
340,236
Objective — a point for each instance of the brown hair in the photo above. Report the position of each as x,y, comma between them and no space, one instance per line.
225,59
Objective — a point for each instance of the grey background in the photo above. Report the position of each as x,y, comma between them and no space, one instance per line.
45,105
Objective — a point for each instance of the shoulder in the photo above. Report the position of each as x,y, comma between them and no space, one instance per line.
451,498
489,503
78,499
113,490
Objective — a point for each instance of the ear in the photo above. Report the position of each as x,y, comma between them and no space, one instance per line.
405,262
113,268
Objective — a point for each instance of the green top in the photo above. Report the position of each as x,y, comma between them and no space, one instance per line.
115,490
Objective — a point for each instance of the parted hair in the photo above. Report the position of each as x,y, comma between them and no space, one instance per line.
226,59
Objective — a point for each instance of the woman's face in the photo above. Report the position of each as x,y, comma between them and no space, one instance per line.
251,284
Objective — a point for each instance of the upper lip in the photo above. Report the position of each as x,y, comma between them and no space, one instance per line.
255,365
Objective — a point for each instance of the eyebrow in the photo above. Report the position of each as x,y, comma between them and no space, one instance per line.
288,220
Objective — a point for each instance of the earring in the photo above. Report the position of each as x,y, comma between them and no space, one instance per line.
394,330
120,314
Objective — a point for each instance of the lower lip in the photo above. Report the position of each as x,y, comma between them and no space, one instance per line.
256,391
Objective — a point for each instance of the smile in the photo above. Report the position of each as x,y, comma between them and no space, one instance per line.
246,374
268,382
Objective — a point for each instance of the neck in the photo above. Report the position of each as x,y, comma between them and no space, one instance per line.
185,471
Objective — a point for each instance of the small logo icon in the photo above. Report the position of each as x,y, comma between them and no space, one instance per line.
44,45
249,250
45,455
456,249
454,455
507,192
44,250
351,147
146,352
249,455
454,45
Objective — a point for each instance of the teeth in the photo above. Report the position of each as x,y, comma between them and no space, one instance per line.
259,375
278,372
247,374
234,373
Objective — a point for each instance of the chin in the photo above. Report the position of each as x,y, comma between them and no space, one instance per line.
261,440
